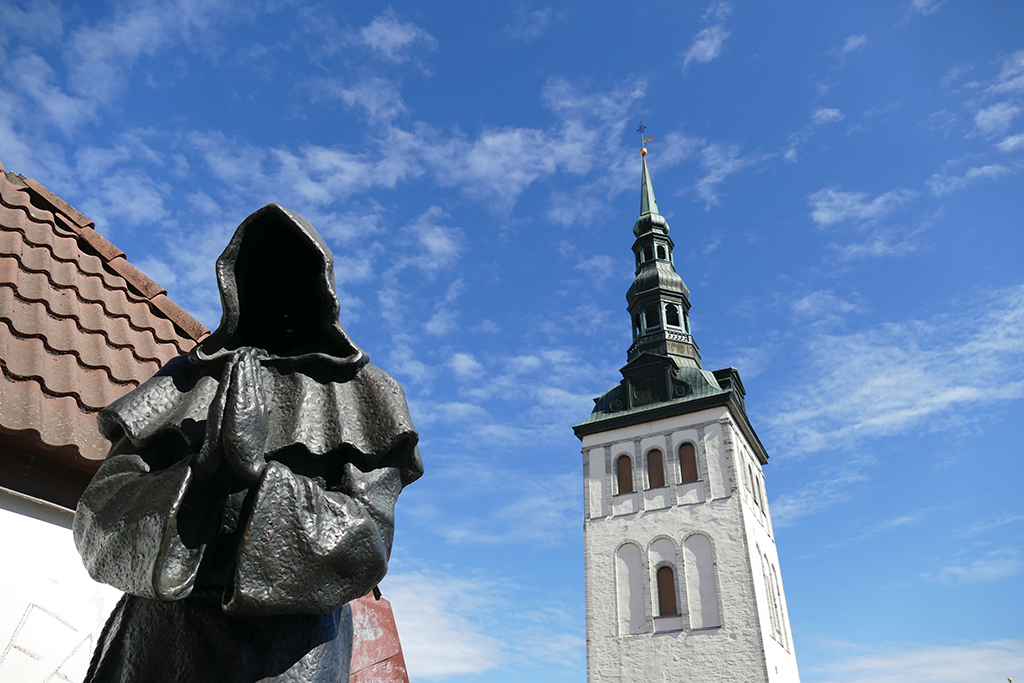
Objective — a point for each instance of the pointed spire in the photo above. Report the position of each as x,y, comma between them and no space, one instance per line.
649,219
647,202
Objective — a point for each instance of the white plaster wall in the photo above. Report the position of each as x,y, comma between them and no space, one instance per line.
780,657
51,612
742,647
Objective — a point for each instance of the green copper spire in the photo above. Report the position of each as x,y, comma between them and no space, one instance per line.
647,202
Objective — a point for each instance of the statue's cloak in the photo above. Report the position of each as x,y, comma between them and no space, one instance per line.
236,581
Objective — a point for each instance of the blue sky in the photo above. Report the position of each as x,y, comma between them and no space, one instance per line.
843,182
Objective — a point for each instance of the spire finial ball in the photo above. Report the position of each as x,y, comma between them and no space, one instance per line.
643,151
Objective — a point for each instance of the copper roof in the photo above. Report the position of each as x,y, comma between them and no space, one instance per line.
79,326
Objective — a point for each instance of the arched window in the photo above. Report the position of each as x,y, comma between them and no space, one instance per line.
701,584
651,317
655,469
661,252
688,463
667,592
648,253
636,325
624,471
671,315
629,589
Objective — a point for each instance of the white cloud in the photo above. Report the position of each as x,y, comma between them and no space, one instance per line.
553,502
392,38
717,11
853,43
831,206
880,243
529,25
465,365
439,245
127,198
926,6
379,97
823,307
822,116
981,527
440,621
979,661
720,162
35,78
903,376
996,119
814,497
941,184
101,55
995,565
597,268
706,45
1011,75
1012,143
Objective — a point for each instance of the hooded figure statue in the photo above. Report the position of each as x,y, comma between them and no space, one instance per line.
250,491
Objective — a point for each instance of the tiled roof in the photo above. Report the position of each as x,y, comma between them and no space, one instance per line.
79,326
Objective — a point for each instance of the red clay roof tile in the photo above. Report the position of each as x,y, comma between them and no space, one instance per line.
79,325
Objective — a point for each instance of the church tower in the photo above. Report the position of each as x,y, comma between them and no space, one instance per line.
682,573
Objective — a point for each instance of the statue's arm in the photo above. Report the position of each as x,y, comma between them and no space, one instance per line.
134,525
309,550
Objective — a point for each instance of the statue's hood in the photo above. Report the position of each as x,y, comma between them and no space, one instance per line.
276,280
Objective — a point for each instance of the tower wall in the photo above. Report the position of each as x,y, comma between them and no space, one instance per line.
715,534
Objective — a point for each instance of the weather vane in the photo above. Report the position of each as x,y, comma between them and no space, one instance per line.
643,140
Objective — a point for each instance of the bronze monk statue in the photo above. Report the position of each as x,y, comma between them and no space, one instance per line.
250,491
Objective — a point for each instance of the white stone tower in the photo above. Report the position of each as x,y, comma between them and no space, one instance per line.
682,573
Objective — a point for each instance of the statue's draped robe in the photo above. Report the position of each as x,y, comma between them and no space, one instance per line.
235,581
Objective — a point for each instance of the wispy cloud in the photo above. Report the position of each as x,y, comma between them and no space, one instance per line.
852,44
925,6
979,661
1011,143
529,25
444,623
393,39
720,161
463,624
995,119
1011,75
707,44
832,206
815,496
824,309
830,115
378,97
942,184
897,376
992,566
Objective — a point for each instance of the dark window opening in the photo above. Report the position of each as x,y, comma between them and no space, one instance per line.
667,592
655,469
688,463
661,252
648,253
671,315
636,325
624,470
651,316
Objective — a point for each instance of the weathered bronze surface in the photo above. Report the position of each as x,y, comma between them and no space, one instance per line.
250,491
